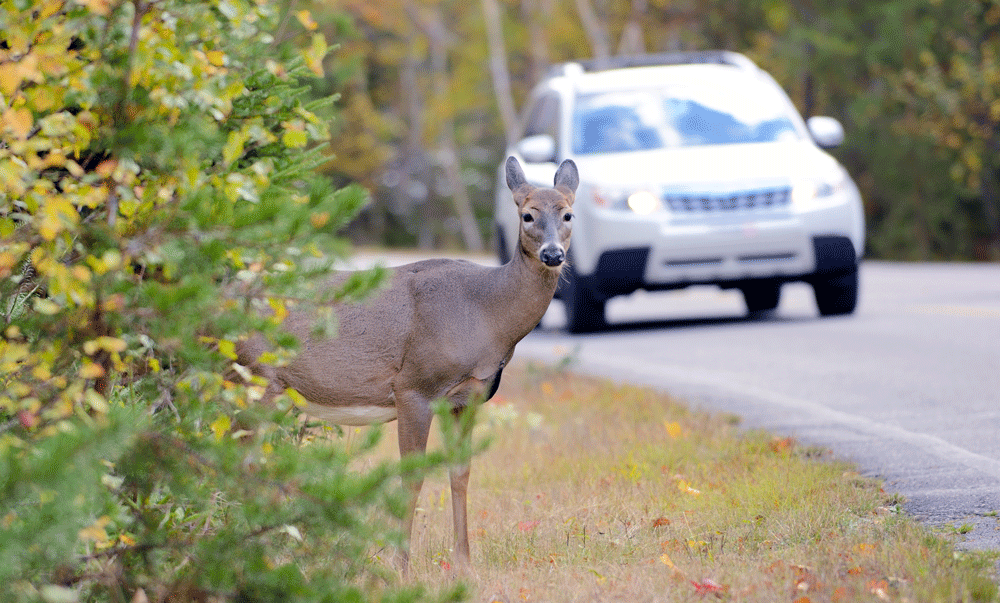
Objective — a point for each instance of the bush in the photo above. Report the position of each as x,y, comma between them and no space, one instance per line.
157,191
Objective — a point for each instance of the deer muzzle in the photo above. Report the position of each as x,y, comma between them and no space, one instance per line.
552,255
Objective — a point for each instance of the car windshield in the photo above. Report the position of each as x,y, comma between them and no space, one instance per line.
678,116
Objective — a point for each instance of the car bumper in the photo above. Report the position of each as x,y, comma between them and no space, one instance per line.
644,253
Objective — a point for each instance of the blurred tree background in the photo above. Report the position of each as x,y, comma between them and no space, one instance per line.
431,88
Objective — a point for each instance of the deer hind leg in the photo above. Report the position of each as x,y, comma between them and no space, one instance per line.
414,424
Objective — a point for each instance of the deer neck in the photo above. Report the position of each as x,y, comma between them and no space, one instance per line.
525,289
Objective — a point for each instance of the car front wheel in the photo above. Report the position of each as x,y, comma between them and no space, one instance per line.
761,297
584,311
836,294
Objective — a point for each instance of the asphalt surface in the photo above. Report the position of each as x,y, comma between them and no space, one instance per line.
908,387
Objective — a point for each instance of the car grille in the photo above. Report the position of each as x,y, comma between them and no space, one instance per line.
761,199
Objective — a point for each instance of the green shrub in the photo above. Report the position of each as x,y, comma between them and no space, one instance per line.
157,191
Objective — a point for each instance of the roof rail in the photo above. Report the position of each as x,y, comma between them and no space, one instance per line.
715,57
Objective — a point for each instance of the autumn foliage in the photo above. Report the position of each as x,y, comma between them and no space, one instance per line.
157,192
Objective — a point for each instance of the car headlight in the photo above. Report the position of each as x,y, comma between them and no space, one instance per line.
642,202
814,189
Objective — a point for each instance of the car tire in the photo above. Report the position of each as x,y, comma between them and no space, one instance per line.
584,311
836,294
761,297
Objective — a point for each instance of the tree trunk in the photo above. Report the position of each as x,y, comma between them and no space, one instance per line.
499,70
632,41
537,13
439,39
595,31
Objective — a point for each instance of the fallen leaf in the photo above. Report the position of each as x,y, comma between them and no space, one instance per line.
661,521
708,586
782,445
879,588
527,526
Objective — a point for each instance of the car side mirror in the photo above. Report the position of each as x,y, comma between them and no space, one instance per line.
826,131
540,148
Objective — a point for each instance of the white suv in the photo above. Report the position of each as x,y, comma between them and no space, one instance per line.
696,169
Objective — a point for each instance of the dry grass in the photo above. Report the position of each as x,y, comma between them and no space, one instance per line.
592,491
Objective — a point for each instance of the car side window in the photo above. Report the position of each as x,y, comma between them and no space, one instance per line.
544,118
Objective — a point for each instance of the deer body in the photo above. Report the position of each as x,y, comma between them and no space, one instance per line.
441,329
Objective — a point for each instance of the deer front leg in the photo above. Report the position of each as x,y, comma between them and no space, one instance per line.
464,419
459,509
414,416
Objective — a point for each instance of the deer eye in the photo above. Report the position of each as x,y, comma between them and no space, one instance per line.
568,218
528,218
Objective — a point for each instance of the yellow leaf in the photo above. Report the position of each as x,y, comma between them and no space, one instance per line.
154,365
97,402
101,7
110,344
18,122
95,532
673,429
295,135
280,311
319,219
10,79
227,348
216,57
220,426
666,560
56,215
46,306
305,18
44,98
234,147
91,370
50,8
297,398
42,372
315,54
106,168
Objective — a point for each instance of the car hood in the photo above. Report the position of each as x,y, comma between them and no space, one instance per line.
710,167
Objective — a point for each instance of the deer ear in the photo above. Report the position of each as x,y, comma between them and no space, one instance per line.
567,175
515,175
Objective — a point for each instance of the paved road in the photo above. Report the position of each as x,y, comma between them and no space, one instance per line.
908,387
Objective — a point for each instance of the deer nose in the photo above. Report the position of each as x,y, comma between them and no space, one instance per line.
552,255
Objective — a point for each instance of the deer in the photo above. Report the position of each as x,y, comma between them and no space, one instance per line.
440,329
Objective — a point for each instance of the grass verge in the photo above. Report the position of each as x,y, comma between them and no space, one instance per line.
594,491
